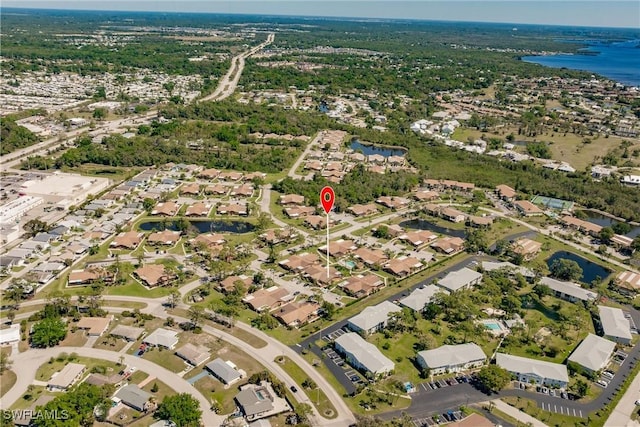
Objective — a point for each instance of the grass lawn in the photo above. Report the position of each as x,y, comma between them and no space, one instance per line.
165,358
317,396
46,370
549,418
213,389
163,390
135,289
7,380
74,339
138,377
29,397
106,342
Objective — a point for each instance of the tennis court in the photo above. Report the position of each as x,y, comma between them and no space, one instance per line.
550,202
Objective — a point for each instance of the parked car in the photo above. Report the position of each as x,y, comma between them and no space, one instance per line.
293,389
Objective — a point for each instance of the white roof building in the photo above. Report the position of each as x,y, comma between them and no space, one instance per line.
532,370
451,358
614,325
568,290
373,318
361,354
162,338
420,297
492,266
593,353
10,334
464,278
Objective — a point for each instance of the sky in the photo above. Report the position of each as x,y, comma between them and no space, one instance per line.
624,13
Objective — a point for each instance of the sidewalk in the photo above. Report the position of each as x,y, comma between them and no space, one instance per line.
517,414
621,415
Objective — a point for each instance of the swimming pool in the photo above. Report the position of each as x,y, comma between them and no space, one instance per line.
350,265
493,325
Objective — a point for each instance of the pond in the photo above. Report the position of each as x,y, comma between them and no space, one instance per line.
369,149
203,226
605,221
421,224
590,270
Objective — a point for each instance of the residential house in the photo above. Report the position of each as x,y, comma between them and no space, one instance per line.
527,248
361,286
418,238
67,377
299,262
621,242
568,291
370,257
339,248
275,236
513,269
299,211
291,199
426,196
259,401
296,314
464,278
363,355
317,222
449,245
10,335
393,202
234,209
164,237
628,282
89,275
230,176
154,275
134,397
225,372
451,358
363,210
373,318
420,297
208,240
166,209
230,283
403,266
615,326
129,333
95,326
532,371
267,299
198,209
318,274
453,215
193,354
526,208
217,189
190,189
162,337
244,190
129,240
209,174
479,221
506,193
593,353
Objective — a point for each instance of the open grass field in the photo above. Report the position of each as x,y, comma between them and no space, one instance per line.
46,370
317,396
7,380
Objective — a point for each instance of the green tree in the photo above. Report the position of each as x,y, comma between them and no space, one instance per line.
35,226
328,310
196,314
493,377
566,269
183,409
635,245
48,332
76,407
100,113
148,203
606,234
580,388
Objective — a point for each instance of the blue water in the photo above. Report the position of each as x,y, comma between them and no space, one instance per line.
368,150
216,226
492,325
618,61
590,270
420,224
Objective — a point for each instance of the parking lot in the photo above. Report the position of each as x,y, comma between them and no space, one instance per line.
439,418
351,374
561,409
334,335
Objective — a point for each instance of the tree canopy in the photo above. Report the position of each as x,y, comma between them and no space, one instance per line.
493,377
566,269
48,332
183,409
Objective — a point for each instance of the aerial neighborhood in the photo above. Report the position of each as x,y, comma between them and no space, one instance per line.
167,258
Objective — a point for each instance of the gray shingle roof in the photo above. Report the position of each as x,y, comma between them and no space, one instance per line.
223,371
593,352
365,353
614,324
452,355
524,365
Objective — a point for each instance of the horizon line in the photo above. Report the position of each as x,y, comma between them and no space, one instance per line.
317,17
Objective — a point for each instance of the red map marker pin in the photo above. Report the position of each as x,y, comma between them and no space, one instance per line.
327,197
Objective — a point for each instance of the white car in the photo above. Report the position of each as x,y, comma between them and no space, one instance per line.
638,402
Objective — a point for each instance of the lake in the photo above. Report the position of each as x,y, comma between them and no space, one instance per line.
618,61
421,224
369,149
216,226
606,221
590,270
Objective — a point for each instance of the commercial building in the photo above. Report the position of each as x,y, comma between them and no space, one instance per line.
15,209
